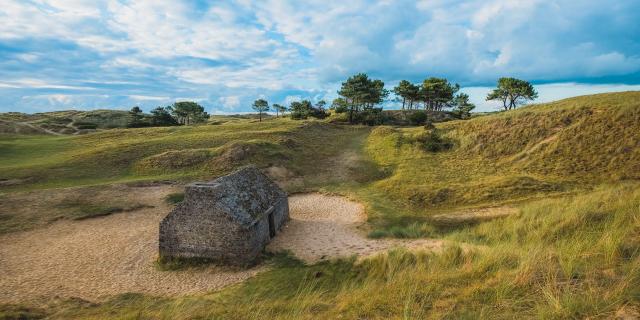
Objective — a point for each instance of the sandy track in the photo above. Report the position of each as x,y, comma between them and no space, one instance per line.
325,227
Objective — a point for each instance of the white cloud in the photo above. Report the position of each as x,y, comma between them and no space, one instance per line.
278,48
230,102
38,84
148,98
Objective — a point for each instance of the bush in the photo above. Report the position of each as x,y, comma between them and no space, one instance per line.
85,125
369,116
341,109
418,118
434,142
296,115
318,113
174,198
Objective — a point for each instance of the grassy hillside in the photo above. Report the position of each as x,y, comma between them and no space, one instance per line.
62,122
169,153
537,151
570,168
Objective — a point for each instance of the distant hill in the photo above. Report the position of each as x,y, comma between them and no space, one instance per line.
62,122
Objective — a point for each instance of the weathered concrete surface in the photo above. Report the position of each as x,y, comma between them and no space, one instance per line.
229,220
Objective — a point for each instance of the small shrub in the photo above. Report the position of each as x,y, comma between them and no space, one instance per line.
10,312
85,125
174,264
174,198
434,142
428,125
418,118
296,115
318,113
371,117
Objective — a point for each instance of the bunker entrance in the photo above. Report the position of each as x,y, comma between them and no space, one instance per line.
272,226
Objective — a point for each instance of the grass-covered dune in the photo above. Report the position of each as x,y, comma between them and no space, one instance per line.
537,151
62,122
569,168
120,155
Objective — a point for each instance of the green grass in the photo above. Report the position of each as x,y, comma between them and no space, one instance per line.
28,210
534,152
80,209
197,152
175,198
571,168
16,312
70,120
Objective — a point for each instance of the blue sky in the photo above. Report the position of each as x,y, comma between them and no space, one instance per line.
75,54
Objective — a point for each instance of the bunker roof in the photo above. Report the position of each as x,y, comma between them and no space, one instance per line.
246,195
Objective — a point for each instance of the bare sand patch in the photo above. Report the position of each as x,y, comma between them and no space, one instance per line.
99,257
104,256
325,227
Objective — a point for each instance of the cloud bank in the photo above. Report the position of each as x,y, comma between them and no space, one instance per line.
59,54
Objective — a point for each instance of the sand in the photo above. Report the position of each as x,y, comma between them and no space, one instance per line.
99,257
325,227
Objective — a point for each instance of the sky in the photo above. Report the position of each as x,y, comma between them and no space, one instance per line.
76,54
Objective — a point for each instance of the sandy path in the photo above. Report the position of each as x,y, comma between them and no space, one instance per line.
325,227
98,257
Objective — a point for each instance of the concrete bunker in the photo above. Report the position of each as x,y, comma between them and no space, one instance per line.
228,220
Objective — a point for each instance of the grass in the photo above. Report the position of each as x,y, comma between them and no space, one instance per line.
571,257
175,198
28,210
80,209
198,152
68,122
16,312
554,149
570,168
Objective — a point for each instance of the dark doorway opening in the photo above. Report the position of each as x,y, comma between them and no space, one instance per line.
272,226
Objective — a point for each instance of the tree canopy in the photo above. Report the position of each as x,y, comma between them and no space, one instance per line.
512,92
137,118
260,106
160,117
360,93
408,91
188,112
280,109
438,93
462,106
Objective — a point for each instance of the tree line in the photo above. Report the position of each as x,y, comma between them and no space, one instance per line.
298,110
360,97
180,113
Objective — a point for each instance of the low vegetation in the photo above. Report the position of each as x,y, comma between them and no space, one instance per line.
33,209
175,198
